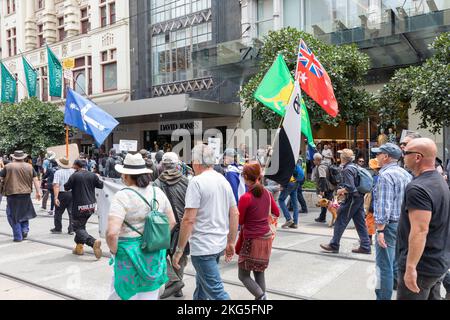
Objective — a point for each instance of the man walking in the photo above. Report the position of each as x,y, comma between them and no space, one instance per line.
290,190
18,178
352,208
387,201
174,184
63,199
211,222
82,183
320,176
423,244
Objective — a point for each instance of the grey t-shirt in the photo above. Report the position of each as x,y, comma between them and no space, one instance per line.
212,195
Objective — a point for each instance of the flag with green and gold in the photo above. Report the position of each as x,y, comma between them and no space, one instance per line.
9,85
275,91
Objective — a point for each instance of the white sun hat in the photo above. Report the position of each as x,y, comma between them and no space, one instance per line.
133,165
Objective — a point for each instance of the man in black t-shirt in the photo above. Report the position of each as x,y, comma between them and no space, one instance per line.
423,243
83,184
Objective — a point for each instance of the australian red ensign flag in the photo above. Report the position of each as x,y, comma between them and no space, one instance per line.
315,81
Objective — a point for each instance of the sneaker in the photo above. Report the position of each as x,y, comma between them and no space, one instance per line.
263,297
17,240
287,224
179,294
361,250
294,226
304,211
79,251
320,221
24,235
328,248
50,212
97,249
54,231
70,232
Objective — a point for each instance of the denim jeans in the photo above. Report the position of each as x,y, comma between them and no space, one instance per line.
209,284
289,190
351,209
19,228
301,199
386,263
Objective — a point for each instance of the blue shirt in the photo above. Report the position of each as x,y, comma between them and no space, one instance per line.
389,193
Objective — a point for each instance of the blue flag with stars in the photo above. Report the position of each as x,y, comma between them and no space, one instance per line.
83,114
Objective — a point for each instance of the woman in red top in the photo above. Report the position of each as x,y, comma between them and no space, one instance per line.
256,237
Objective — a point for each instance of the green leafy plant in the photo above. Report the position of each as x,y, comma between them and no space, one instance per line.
31,126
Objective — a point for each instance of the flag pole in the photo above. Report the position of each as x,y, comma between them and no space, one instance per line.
67,141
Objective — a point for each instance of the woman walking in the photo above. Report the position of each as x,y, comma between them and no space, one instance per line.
255,240
138,275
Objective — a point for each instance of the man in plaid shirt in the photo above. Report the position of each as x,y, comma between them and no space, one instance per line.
387,202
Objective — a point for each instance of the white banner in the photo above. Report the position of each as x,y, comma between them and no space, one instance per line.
128,145
104,196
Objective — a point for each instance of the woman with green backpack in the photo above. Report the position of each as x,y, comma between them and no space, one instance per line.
138,235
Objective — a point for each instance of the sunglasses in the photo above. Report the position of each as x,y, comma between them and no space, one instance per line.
403,144
361,161
405,153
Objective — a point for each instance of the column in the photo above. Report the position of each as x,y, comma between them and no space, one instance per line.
30,26
72,17
277,23
50,22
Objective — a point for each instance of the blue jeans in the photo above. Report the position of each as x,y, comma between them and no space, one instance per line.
19,228
386,263
209,284
352,209
289,190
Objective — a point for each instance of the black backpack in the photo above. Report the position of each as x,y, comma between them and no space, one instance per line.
335,175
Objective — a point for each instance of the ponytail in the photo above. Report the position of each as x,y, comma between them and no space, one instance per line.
257,189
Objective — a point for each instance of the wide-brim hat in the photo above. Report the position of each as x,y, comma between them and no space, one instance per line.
133,165
50,155
19,155
63,163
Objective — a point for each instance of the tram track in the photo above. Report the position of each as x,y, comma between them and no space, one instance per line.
40,287
107,255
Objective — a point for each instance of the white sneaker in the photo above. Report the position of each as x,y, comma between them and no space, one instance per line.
50,212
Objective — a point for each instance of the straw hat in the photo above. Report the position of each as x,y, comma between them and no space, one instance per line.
133,165
63,163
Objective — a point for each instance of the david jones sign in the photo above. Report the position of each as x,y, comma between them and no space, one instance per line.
169,127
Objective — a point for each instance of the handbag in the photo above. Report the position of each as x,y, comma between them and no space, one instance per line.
156,234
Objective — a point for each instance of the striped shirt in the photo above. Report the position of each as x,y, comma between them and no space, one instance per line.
389,193
61,177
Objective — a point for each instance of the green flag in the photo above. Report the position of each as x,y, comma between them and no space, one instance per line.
30,77
8,86
276,88
55,73
275,91
306,125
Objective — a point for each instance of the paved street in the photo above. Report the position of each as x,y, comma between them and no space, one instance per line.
47,269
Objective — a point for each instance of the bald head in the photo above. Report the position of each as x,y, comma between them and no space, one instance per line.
425,146
420,155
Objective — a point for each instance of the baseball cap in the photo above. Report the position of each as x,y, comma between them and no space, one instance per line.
170,157
390,149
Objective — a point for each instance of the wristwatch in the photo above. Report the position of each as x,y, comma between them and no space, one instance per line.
380,231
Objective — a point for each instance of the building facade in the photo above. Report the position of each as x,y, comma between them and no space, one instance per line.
175,81
93,32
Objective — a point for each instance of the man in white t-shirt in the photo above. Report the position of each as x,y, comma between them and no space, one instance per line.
210,225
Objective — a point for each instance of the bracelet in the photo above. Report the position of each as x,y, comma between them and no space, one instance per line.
179,250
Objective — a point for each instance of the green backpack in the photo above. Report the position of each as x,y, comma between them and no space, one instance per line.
156,229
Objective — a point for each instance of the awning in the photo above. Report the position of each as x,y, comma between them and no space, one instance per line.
169,107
